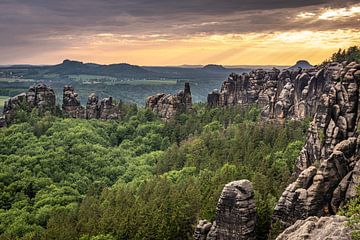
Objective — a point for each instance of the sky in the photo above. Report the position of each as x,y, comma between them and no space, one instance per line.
176,32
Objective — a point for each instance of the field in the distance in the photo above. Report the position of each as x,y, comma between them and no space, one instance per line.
2,101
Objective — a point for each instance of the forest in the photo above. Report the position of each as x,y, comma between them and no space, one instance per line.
139,178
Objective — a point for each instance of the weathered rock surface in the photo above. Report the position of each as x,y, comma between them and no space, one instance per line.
319,191
314,228
38,96
42,98
71,103
167,106
332,144
235,215
108,109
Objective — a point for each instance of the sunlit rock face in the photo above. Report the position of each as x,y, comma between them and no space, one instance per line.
39,96
167,105
235,215
314,228
328,168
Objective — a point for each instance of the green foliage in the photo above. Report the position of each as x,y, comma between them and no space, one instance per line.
351,54
139,178
352,211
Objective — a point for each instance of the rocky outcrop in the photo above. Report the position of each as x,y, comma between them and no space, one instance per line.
39,96
167,106
328,167
235,215
287,94
92,106
314,228
42,98
320,191
108,109
71,103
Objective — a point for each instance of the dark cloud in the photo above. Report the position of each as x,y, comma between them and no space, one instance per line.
30,25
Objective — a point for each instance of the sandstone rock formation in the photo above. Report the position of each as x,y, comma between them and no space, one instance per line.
92,106
167,105
286,94
38,96
328,167
235,215
314,228
71,103
42,98
108,109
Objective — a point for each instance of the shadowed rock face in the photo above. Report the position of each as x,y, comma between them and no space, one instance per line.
104,109
167,106
71,104
314,228
38,96
235,215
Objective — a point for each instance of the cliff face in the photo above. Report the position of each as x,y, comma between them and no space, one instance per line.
167,106
42,97
327,169
286,94
235,215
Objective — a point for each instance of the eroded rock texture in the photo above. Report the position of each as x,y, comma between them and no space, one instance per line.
328,167
42,98
314,228
235,215
167,105
71,103
286,94
38,96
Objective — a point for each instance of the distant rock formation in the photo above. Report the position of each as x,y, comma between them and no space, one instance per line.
314,228
235,215
167,105
38,96
303,64
71,103
42,98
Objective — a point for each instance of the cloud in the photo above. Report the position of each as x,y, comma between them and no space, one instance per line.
51,26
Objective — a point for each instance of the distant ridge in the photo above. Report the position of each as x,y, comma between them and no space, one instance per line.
303,64
75,67
214,67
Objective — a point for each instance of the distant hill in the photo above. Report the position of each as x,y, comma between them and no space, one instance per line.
303,64
214,67
69,67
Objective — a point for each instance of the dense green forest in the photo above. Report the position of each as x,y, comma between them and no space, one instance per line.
139,178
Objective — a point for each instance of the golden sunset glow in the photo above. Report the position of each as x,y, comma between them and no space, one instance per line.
229,49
